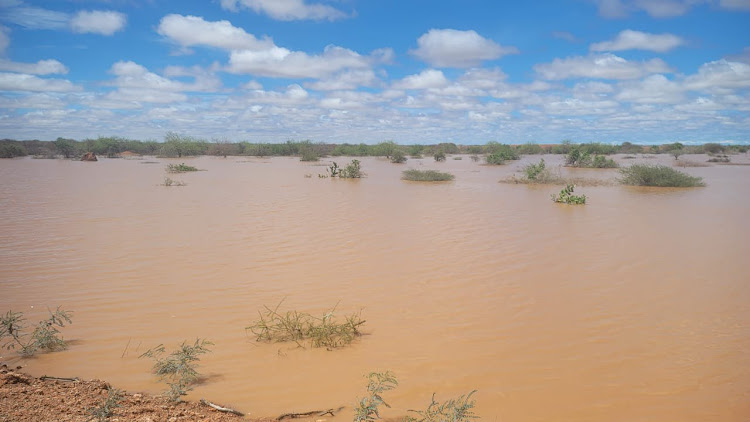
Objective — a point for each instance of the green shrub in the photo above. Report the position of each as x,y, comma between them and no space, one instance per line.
426,176
104,411
180,168
439,156
713,148
453,410
601,162
536,171
301,327
377,383
351,171
497,153
179,368
577,157
309,155
566,196
11,150
398,157
44,337
658,175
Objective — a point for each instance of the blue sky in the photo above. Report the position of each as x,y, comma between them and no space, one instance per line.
413,71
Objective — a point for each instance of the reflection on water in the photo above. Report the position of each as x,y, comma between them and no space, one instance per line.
633,307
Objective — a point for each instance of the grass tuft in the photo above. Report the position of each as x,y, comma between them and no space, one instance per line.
426,176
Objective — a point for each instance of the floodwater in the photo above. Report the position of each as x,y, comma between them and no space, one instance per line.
634,307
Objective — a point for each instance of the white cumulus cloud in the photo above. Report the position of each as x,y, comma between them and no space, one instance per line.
600,66
194,30
654,89
280,62
662,8
454,48
104,22
636,40
42,67
287,10
23,82
720,75
346,80
427,79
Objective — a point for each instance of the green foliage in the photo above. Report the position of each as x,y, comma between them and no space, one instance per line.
630,148
439,156
673,146
453,410
44,337
176,145
104,411
179,368
577,157
66,147
180,168
474,149
351,171
426,176
398,157
530,149
566,196
415,151
658,175
334,169
377,384
11,149
301,327
677,152
447,148
713,148
497,153
602,162
537,171
309,155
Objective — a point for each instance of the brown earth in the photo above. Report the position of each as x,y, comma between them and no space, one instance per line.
24,398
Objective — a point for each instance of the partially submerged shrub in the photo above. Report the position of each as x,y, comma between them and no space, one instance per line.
439,156
535,171
398,157
309,155
301,327
179,368
180,168
453,410
426,176
658,175
566,196
719,159
104,411
377,384
44,337
602,162
351,171
171,182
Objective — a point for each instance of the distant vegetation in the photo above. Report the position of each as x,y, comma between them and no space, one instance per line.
581,156
658,175
352,170
426,176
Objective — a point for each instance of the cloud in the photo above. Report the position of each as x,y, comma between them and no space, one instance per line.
280,62
346,80
735,4
42,67
654,89
600,66
35,17
23,82
287,10
134,76
564,35
453,48
4,39
429,78
194,30
720,75
636,40
662,8
98,22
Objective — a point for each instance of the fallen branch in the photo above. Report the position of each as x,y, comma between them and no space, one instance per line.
45,378
221,409
331,412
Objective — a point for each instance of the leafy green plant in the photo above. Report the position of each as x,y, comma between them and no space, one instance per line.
377,384
566,196
351,171
602,162
180,168
44,337
534,171
398,157
426,176
453,410
498,154
577,157
334,169
104,411
308,154
439,156
179,368
301,327
658,175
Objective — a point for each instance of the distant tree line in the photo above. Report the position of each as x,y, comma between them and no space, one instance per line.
176,145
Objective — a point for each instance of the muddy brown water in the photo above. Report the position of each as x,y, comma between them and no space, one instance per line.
635,306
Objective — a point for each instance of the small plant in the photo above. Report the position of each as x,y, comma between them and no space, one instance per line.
104,411
179,368
577,157
534,171
439,156
351,171
602,162
44,337
658,175
566,196
453,410
171,182
301,327
719,159
475,158
496,158
309,155
180,168
426,176
334,169
377,384
398,157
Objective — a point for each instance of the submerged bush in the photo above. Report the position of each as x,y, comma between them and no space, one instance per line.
426,176
44,337
658,175
453,410
179,368
377,383
180,168
566,196
398,157
601,162
351,171
300,327
439,156
535,171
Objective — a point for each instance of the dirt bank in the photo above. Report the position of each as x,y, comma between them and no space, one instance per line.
24,398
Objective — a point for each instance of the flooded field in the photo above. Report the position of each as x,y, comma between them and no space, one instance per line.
634,307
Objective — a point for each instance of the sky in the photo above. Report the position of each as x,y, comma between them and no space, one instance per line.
411,71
